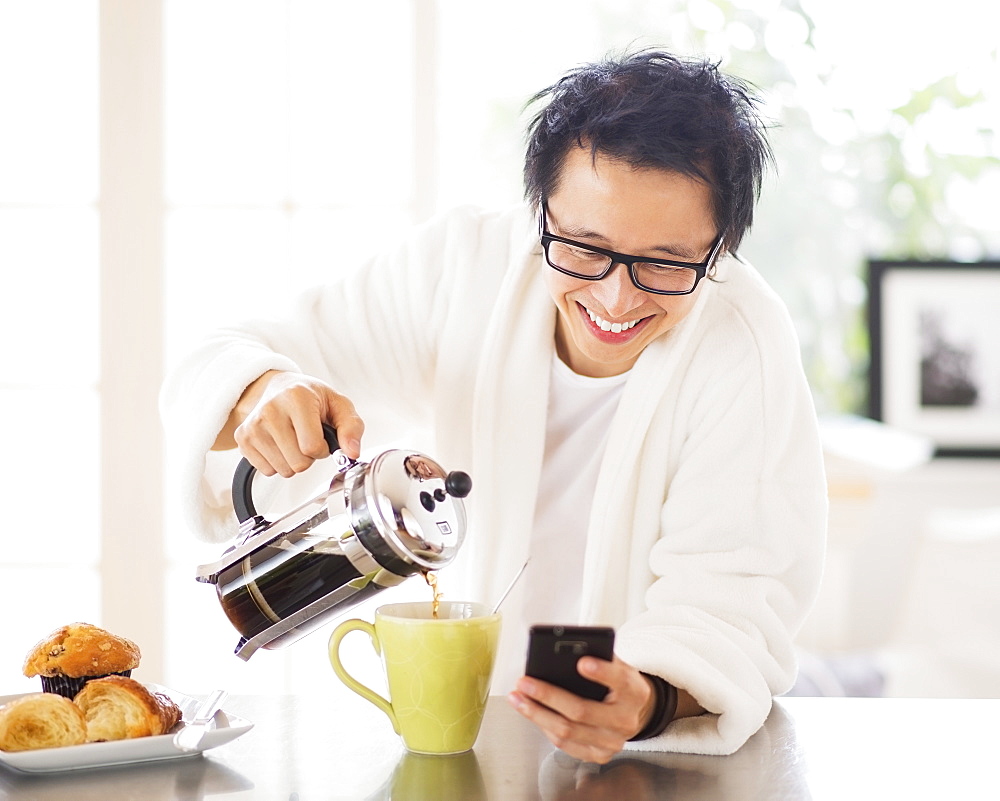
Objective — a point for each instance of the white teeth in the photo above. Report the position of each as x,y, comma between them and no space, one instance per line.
614,328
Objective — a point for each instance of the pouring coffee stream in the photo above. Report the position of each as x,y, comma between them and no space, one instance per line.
376,524
432,582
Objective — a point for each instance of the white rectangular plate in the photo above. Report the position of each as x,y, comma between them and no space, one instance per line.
126,752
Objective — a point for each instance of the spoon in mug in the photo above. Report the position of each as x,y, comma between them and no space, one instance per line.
510,586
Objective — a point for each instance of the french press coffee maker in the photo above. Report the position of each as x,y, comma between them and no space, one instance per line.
377,524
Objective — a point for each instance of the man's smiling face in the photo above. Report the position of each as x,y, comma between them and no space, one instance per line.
603,326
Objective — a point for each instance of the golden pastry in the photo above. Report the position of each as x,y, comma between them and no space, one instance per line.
119,708
41,720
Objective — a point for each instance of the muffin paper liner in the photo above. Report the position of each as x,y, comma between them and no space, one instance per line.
69,686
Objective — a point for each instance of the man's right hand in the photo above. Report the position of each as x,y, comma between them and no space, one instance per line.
277,423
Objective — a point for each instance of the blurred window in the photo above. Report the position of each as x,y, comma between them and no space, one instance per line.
49,326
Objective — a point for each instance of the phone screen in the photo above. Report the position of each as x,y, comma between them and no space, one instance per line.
553,652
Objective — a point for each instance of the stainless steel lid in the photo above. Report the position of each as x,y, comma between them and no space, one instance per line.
407,511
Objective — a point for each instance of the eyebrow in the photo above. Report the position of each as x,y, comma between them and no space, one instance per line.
682,251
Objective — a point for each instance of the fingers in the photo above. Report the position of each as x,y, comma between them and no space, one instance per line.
576,738
350,427
590,730
335,410
258,443
283,433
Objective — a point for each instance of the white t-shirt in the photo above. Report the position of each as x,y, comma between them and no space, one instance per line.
579,417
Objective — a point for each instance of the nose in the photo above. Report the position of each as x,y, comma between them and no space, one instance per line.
616,292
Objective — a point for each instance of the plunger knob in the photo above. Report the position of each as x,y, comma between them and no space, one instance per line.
458,484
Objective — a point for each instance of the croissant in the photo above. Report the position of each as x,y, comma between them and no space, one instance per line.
119,708
41,720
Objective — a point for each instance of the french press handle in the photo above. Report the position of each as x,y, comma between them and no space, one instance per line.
243,479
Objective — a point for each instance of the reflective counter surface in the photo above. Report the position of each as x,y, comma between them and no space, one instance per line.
333,745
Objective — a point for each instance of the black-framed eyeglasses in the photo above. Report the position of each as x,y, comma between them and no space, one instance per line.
659,276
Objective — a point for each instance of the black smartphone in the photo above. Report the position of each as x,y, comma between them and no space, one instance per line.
554,650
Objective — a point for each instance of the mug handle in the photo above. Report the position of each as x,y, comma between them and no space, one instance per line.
352,683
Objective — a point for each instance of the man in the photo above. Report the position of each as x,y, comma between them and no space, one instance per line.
625,391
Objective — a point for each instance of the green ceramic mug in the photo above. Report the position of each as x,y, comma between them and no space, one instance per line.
438,670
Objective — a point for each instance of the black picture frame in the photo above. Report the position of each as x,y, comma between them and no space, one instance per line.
934,330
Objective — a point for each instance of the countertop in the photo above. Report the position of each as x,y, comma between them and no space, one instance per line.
331,745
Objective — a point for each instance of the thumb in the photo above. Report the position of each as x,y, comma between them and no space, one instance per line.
341,414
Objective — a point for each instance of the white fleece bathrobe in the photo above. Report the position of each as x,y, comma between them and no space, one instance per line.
707,527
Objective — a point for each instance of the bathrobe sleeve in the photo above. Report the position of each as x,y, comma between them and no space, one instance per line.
393,336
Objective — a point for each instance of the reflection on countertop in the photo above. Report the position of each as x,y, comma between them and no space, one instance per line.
191,779
758,770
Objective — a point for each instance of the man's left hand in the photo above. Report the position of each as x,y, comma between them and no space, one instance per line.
593,731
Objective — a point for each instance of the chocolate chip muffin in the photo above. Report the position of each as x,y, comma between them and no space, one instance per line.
72,655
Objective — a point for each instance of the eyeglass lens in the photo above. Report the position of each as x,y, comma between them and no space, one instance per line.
589,264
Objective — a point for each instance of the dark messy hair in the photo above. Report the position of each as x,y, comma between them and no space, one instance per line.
654,110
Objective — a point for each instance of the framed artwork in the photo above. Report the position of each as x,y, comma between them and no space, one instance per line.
935,352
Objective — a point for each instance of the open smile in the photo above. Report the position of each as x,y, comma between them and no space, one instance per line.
613,333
